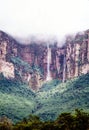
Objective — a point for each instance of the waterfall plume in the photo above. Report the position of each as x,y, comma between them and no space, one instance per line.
48,63
64,68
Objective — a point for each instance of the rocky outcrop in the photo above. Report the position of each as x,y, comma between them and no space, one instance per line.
32,62
77,55
7,69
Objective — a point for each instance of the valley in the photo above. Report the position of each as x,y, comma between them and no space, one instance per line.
18,101
43,79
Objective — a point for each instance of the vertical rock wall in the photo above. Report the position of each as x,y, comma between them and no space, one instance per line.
74,54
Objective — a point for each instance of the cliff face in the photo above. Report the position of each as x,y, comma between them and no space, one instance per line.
34,63
77,55
6,68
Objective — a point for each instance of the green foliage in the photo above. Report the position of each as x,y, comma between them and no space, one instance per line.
81,120
49,85
63,97
5,123
65,121
81,82
17,100
19,63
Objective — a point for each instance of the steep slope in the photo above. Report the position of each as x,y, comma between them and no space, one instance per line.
16,99
63,97
52,61
30,66
14,56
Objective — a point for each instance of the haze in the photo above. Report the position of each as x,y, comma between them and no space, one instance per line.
43,17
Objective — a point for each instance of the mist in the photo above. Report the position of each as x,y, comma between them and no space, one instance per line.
43,19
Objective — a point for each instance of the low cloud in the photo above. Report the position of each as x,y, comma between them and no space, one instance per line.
43,19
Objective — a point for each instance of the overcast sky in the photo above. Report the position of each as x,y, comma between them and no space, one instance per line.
46,17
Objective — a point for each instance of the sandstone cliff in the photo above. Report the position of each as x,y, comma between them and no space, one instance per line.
34,63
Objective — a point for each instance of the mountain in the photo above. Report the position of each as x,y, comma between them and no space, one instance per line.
36,62
63,97
18,101
43,78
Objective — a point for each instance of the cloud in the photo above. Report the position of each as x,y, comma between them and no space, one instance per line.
43,17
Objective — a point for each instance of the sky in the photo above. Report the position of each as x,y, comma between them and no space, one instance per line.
56,18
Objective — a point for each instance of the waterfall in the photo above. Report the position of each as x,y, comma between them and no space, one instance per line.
48,63
64,68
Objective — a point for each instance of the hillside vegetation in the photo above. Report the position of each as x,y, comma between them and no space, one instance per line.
63,97
18,101
65,121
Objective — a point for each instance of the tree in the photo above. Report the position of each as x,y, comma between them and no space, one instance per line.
81,120
65,121
5,123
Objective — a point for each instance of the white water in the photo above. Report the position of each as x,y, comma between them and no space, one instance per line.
48,63
64,68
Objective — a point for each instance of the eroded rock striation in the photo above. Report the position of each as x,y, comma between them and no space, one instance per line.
34,63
